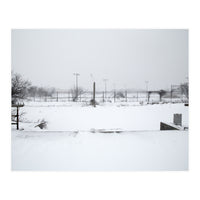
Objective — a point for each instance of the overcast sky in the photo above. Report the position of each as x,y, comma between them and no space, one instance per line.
127,58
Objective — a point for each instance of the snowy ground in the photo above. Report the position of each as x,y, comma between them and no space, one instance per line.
80,117
72,140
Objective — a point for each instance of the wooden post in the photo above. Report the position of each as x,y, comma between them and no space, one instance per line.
114,95
17,118
103,96
160,95
57,97
126,95
17,114
94,101
148,97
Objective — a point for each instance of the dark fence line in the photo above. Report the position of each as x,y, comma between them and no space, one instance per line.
149,97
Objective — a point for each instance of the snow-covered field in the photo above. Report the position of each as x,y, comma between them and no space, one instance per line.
80,117
73,138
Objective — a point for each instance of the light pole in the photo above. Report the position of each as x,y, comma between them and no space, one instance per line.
76,77
187,79
147,82
105,82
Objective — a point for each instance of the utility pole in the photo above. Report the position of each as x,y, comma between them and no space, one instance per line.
105,82
76,77
147,82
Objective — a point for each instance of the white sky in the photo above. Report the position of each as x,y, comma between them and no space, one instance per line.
127,58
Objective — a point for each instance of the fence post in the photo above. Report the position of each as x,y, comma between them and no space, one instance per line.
126,95
94,102
148,97
57,97
103,96
17,118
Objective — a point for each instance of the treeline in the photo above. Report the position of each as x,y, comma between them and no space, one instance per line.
21,89
35,91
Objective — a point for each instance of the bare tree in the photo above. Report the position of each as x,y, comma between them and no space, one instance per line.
120,94
19,87
51,91
32,91
76,93
162,93
185,89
